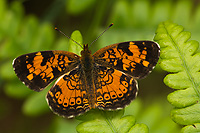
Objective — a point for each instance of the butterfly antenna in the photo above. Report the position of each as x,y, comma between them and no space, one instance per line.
68,37
101,34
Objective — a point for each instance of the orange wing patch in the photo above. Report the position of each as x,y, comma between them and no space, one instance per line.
38,69
68,96
114,89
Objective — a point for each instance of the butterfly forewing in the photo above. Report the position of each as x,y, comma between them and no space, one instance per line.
136,58
37,70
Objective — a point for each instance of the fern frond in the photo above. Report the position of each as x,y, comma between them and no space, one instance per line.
179,57
110,122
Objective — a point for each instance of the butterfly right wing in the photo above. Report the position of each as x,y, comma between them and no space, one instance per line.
136,58
37,70
114,89
117,68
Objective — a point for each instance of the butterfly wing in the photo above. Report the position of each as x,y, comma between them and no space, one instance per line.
136,58
116,68
37,70
114,89
68,96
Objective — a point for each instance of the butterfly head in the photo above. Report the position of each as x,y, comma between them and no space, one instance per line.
85,50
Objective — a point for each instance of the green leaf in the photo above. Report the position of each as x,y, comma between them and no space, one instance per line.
179,57
183,98
191,128
186,116
99,114
139,128
74,47
109,122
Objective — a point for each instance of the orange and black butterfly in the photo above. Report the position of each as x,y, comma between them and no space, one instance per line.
104,80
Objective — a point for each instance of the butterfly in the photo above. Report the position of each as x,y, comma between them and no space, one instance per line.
105,80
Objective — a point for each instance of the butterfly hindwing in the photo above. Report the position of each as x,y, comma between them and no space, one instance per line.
37,70
68,96
136,58
114,89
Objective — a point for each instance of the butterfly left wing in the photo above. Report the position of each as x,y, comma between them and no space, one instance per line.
37,70
136,58
68,96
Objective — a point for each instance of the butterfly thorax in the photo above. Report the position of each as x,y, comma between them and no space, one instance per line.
87,66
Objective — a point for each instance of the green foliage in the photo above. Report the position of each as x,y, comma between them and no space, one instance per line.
110,122
155,115
133,20
80,6
20,36
195,128
61,125
179,56
36,104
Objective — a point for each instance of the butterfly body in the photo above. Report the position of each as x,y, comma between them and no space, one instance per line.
87,64
104,80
